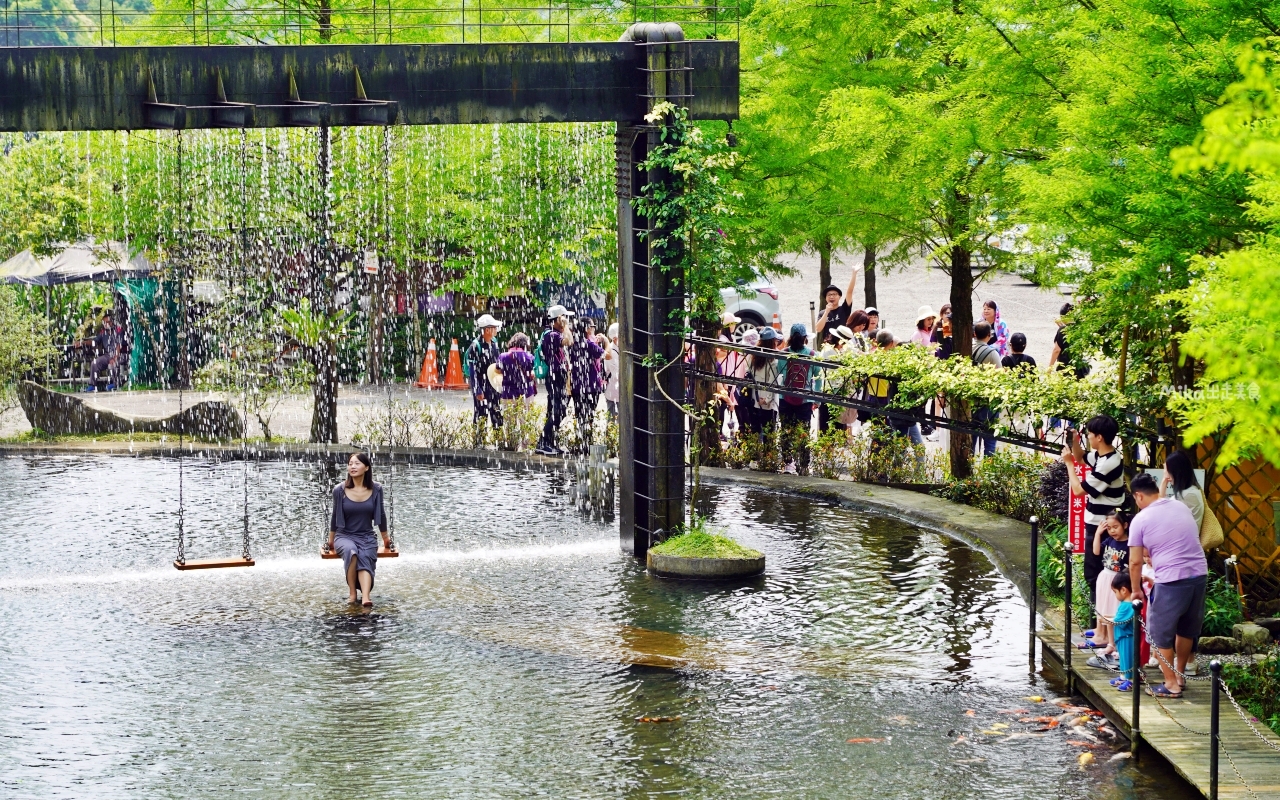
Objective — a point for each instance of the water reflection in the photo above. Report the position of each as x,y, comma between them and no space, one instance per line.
512,651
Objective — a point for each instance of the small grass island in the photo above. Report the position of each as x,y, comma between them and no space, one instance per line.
702,553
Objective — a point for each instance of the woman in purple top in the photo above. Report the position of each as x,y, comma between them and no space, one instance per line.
357,511
586,372
516,368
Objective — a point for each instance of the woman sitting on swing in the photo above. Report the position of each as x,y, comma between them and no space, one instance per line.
357,510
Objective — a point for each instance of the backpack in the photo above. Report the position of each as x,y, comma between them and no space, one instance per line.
981,352
540,368
797,378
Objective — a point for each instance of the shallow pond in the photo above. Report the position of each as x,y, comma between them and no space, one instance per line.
513,651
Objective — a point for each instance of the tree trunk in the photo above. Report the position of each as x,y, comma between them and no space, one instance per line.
707,435
377,311
824,271
962,338
324,16
324,413
868,277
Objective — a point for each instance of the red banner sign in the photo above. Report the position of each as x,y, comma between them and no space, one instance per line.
1075,513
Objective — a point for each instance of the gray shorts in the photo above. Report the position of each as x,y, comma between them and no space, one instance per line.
1177,609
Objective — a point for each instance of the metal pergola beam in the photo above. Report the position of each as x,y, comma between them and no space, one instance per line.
133,88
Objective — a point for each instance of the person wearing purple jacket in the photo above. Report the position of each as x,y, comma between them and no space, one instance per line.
1166,535
516,368
586,377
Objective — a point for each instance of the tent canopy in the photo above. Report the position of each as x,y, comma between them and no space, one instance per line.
82,261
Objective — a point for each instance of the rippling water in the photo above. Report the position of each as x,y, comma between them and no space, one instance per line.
510,653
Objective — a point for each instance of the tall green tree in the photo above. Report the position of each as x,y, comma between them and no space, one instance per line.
1229,308
1109,211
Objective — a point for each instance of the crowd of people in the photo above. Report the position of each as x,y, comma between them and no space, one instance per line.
841,330
576,364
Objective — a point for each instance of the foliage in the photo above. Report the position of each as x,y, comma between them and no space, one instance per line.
1050,570
1222,607
747,450
698,540
1006,482
1229,306
876,454
44,193
1023,397
686,203
1054,486
1082,611
24,346
1257,687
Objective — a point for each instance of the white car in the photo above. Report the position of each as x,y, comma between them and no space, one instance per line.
754,302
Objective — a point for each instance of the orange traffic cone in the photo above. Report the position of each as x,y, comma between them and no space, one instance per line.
453,377
429,377
777,323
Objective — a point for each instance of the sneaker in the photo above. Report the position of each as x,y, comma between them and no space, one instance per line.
1101,662
547,451
1124,686
91,389
1191,669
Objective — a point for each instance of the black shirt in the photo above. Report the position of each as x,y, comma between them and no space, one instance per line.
1066,361
1013,361
836,317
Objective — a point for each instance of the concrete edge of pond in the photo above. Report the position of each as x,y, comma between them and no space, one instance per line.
1006,542
667,566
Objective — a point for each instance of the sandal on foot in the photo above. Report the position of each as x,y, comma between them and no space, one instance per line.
1163,692
1117,681
1091,645
367,604
1124,686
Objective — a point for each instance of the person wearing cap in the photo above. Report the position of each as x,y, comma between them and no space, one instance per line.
482,352
795,413
612,364
586,377
555,339
873,320
732,363
836,312
925,318
840,338
764,371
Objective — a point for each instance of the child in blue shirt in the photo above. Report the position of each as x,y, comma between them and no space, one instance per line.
1125,622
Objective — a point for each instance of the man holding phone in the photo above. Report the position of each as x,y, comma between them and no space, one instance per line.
1103,484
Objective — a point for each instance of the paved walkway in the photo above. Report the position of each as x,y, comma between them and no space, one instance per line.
1166,731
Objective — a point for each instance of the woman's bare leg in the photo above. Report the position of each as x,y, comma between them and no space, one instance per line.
366,584
351,581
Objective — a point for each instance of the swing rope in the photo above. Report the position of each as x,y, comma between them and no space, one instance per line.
182,313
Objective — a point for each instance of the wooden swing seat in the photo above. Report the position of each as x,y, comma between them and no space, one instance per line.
383,552
214,563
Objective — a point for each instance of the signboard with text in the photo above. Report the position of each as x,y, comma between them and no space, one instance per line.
1075,513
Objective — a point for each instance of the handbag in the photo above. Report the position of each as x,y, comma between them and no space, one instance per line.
1211,534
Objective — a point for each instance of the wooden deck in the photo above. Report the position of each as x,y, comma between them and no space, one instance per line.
1186,752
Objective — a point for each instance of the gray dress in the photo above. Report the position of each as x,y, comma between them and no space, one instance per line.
353,525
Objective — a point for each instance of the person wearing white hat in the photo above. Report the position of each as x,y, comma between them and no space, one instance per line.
925,318
481,353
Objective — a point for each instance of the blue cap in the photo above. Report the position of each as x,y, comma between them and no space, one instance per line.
768,334
799,328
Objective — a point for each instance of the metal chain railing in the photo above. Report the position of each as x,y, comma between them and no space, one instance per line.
1140,679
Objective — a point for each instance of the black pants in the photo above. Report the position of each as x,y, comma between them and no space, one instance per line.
584,411
1092,564
557,404
487,406
796,421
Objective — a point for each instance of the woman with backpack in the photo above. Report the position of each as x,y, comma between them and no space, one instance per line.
795,413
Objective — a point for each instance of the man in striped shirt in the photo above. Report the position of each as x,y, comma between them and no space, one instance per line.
1103,484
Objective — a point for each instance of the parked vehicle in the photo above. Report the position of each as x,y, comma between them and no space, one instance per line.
754,302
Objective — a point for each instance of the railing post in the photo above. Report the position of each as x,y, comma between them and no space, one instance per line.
1215,669
1067,646
1035,580
1135,680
